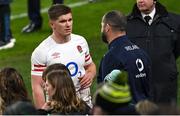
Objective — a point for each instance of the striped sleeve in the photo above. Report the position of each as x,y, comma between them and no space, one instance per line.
38,63
88,58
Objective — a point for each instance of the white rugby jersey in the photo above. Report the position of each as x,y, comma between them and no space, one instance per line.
74,54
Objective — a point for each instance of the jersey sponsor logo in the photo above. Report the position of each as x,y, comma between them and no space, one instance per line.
140,75
73,68
140,66
79,49
55,55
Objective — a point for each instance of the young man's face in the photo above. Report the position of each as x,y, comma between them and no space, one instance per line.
145,6
63,25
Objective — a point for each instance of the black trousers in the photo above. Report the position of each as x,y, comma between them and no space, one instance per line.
5,31
34,11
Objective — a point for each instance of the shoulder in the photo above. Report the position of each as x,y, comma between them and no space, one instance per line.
175,17
76,37
172,21
43,47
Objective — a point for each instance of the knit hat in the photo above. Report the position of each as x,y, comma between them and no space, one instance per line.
115,92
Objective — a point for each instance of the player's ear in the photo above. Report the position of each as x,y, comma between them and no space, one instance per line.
51,24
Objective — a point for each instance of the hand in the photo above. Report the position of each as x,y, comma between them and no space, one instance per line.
86,80
46,106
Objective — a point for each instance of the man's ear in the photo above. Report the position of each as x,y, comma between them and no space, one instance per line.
107,27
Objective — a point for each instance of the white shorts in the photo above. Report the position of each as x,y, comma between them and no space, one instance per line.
85,94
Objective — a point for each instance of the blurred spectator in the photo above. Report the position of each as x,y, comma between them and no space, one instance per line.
12,87
50,68
166,109
35,16
6,38
21,108
62,98
146,107
114,96
2,107
124,55
53,67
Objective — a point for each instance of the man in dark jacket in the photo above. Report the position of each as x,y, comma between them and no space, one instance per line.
159,36
124,55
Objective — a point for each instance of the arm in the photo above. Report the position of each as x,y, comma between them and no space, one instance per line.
37,91
87,79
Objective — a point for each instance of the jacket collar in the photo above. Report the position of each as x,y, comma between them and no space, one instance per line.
118,41
160,11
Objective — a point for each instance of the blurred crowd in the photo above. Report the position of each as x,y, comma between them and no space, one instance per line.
137,75
111,98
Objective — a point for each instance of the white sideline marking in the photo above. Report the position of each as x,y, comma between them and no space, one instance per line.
44,10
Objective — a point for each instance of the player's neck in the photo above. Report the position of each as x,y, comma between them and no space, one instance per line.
115,35
60,39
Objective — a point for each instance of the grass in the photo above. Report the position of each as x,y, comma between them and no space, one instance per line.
87,20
